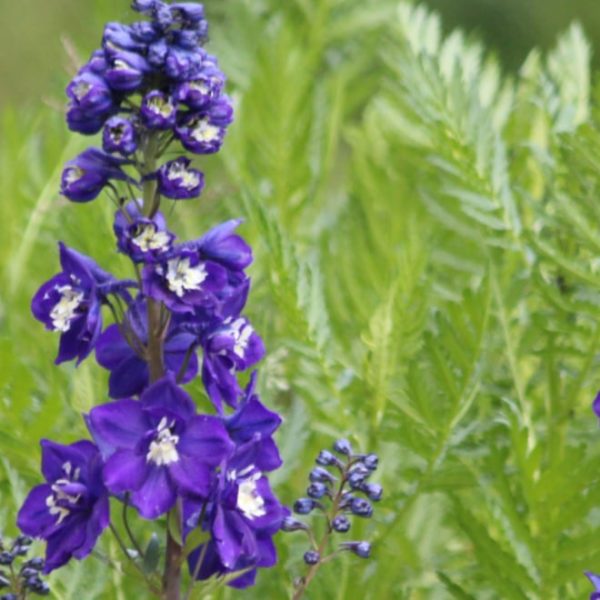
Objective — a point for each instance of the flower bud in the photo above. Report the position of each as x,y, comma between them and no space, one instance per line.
341,524
178,181
362,549
371,461
317,490
373,490
290,524
361,507
342,446
321,475
304,506
119,136
312,557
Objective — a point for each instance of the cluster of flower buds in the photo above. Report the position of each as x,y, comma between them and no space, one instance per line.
24,579
149,77
150,84
339,489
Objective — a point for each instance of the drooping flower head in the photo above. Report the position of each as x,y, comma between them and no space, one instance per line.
71,509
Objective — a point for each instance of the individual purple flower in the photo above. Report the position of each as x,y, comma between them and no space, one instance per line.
230,347
242,517
70,303
126,70
141,238
119,136
595,579
184,281
189,13
158,448
85,176
205,89
158,111
125,37
71,509
90,102
120,350
178,181
203,132
183,64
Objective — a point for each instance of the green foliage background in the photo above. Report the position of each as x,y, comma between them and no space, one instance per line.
426,280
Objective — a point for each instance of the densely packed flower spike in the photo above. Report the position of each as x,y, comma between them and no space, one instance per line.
151,86
339,490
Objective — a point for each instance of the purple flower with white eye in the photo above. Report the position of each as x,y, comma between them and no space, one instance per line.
178,181
71,509
126,70
121,351
85,176
595,579
119,136
203,132
70,303
230,347
183,281
90,102
242,516
142,239
158,111
158,448
204,89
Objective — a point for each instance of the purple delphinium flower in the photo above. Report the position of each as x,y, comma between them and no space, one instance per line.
90,102
126,70
205,89
119,136
120,350
85,176
178,181
242,515
70,302
595,579
158,111
203,132
158,448
183,281
231,346
142,239
71,509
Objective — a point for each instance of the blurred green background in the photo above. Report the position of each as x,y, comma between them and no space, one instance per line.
425,226
31,48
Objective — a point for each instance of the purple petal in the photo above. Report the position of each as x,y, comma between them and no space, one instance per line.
97,522
206,440
118,425
34,518
112,349
157,494
63,543
252,418
130,378
166,395
191,477
125,471
55,456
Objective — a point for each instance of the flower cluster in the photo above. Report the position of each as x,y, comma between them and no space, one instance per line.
150,84
23,579
339,489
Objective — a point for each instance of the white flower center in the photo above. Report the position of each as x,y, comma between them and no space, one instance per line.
205,132
163,449
58,494
64,310
182,277
81,90
160,106
249,501
189,179
73,174
241,331
200,86
151,239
